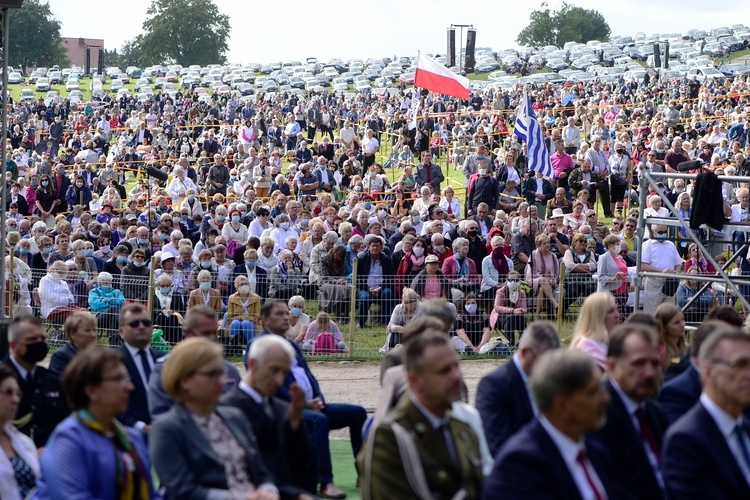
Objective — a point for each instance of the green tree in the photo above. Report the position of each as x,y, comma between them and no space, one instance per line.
34,38
540,31
184,32
568,24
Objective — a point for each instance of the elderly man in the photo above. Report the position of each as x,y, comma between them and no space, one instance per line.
43,404
560,201
659,256
471,164
522,244
706,451
552,457
447,449
599,166
483,188
278,425
177,189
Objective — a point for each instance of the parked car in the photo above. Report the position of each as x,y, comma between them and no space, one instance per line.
72,84
42,84
27,95
15,78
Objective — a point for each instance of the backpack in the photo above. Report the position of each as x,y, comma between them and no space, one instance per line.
324,343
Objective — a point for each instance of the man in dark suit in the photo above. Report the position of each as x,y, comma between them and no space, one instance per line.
43,404
635,425
61,183
428,173
538,191
200,321
136,328
682,392
484,221
550,457
141,134
319,416
445,449
374,281
282,439
503,397
706,451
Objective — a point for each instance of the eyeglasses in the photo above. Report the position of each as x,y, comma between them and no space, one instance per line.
9,392
739,363
590,216
135,323
122,380
629,225
213,374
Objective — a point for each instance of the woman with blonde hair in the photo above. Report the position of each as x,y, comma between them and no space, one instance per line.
673,343
598,317
542,273
243,309
401,316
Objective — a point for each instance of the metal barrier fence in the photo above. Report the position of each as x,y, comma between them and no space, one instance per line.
365,318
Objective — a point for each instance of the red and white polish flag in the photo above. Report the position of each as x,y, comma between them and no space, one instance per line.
432,75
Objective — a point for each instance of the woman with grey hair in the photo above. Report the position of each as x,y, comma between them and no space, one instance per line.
105,302
318,252
282,231
285,278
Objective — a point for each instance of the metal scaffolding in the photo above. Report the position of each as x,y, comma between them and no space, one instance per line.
731,282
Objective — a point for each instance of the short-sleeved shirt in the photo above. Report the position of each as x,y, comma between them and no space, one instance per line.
473,325
661,254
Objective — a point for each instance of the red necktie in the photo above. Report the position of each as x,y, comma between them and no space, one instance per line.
581,459
648,432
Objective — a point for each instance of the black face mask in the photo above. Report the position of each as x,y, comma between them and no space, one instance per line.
35,352
472,233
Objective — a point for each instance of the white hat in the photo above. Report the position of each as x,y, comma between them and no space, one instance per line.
558,212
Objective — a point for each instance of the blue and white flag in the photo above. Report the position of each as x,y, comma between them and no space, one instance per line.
413,109
528,130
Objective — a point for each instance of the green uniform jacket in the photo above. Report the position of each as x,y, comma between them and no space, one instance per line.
388,479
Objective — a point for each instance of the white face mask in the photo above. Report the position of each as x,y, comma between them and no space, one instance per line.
470,308
382,213
284,226
418,251
482,172
513,285
244,289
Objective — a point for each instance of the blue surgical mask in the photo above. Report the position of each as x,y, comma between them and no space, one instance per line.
89,253
416,220
368,205
220,218
206,265
165,290
250,263
143,241
122,259
305,222
163,236
47,250
191,197
205,286
661,236
25,251
392,228
243,214
296,311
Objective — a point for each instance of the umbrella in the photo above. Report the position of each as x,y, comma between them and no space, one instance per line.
568,99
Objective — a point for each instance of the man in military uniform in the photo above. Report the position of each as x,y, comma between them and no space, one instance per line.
420,450
43,405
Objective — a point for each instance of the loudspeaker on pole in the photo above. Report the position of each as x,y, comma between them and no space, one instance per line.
100,66
471,42
88,61
666,56
657,56
450,55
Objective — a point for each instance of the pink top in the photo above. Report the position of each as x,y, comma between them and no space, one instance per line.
594,349
432,288
624,270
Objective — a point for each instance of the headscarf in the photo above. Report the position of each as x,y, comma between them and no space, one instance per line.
499,261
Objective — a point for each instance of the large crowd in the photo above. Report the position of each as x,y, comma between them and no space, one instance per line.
138,224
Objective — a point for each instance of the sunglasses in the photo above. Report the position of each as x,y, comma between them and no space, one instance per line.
513,280
591,216
135,323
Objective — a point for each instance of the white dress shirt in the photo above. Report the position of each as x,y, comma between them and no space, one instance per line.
137,360
569,450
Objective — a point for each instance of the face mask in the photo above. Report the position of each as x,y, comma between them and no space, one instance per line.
679,191
284,226
243,214
35,352
142,241
439,248
34,183
45,183
81,254
206,265
393,229
480,157
382,213
662,236
79,184
358,188
244,289
163,236
47,250
416,220
418,251
619,151
470,308
235,219
205,286
589,236
250,263
191,197
368,205
482,172
305,222
139,264
513,285
25,251
122,259
472,233
12,229
220,218
165,290
296,311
